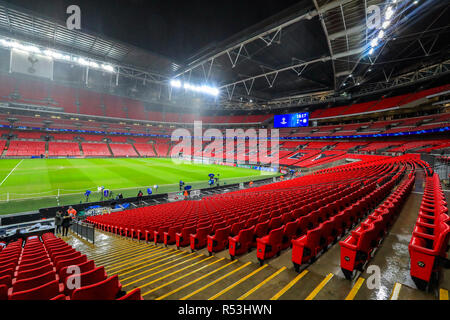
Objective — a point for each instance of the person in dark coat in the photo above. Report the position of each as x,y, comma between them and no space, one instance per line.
58,221
66,219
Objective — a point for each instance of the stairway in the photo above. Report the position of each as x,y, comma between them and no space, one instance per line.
81,149
5,150
137,152
109,148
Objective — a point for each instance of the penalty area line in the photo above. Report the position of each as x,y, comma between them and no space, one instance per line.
1,183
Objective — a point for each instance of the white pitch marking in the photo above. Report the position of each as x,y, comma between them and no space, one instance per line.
11,172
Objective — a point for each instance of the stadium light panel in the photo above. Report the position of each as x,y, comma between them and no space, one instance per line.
389,13
371,50
175,83
386,24
381,34
13,44
374,42
188,86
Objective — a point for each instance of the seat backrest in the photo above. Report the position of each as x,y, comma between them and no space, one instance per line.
132,295
236,227
203,232
246,235
30,283
6,280
261,229
34,272
66,256
290,228
219,225
104,290
275,222
74,261
223,233
276,235
87,278
3,292
34,260
313,236
366,237
44,292
187,231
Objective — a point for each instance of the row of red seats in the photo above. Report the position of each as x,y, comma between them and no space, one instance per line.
320,236
220,221
429,243
44,270
357,249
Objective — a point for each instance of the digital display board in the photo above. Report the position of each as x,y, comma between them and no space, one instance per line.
291,120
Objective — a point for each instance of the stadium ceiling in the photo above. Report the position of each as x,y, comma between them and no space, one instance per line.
314,52
321,48
21,24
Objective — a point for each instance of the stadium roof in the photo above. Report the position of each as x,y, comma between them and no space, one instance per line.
312,52
25,25
321,47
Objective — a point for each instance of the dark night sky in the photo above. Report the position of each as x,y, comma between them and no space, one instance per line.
176,29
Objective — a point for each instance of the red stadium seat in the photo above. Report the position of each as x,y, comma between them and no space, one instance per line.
105,290
132,295
199,239
270,245
30,283
3,292
44,292
85,279
182,238
219,240
241,243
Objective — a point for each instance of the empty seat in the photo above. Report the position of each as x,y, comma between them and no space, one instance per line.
84,279
182,238
219,241
45,292
107,289
241,243
270,245
199,239
30,283
132,295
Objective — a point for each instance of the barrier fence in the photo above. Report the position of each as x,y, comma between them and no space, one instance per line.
83,230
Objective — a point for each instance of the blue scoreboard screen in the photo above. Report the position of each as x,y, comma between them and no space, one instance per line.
291,120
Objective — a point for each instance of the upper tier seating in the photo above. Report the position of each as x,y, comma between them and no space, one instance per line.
145,150
95,149
123,150
26,148
70,149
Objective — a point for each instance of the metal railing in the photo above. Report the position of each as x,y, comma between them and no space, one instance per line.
83,230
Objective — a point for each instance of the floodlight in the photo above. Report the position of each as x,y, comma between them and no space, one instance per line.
389,13
386,24
175,83
374,42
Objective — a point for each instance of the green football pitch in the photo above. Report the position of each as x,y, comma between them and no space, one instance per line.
30,184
